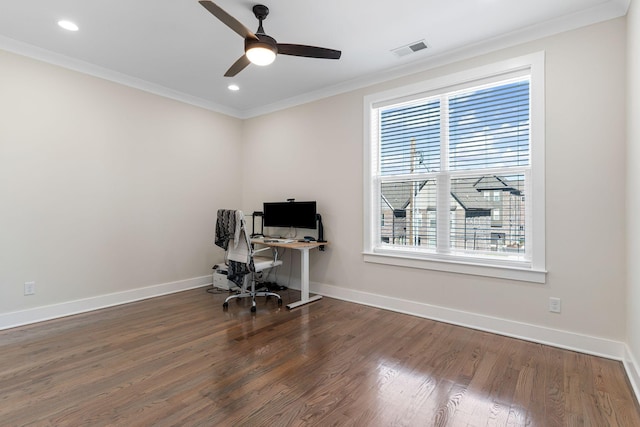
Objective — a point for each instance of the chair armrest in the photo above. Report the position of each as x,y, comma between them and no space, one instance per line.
273,249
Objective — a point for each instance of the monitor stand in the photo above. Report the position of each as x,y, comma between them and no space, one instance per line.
253,224
320,231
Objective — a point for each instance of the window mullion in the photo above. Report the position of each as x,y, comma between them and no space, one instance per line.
443,183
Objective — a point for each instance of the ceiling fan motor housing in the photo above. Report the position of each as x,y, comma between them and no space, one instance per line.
261,51
263,41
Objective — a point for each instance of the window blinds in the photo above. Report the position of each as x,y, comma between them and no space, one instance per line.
484,135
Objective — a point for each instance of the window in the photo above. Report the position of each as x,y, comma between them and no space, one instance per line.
455,172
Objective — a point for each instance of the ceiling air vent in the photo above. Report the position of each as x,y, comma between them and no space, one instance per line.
410,48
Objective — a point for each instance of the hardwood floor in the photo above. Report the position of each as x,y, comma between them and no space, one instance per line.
181,360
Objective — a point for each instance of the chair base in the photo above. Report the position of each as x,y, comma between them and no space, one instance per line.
252,295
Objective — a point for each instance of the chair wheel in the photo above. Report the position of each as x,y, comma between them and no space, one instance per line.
253,308
225,305
279,301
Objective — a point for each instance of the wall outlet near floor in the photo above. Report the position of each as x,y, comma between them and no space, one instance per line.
29,288
555,305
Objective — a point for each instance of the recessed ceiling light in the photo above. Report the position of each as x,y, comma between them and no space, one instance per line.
233,87
68,25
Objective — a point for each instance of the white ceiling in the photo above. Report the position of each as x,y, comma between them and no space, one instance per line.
178,49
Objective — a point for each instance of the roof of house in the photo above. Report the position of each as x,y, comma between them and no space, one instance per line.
469,193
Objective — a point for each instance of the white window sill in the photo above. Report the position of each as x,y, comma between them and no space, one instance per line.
525,274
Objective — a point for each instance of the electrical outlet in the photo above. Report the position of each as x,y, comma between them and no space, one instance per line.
29,288
555,305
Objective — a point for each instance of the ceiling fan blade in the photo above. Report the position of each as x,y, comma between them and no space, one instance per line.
308,51
227,19
237,66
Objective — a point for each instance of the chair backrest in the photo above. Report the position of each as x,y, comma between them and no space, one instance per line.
240,251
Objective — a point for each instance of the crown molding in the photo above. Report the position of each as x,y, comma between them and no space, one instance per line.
37,53
602,12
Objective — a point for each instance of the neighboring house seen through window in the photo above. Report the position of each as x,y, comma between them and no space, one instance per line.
455,173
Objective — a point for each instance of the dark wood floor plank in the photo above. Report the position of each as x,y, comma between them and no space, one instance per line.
181,360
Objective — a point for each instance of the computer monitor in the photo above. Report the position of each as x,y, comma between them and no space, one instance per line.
290,214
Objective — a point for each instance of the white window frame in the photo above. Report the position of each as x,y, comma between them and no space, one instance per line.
531,270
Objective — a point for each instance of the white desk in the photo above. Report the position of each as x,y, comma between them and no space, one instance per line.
304,248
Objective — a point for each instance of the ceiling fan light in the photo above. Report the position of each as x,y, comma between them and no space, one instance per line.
261,54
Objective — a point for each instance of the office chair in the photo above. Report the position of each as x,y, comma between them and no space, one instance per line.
247,265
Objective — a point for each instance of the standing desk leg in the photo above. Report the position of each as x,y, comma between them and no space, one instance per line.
304,281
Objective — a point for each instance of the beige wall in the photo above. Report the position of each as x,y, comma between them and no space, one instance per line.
104,188
319,149
633,180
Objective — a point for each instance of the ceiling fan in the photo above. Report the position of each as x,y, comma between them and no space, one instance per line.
259,48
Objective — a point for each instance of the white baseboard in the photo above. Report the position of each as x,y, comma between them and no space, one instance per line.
633,371
48,312
563,339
